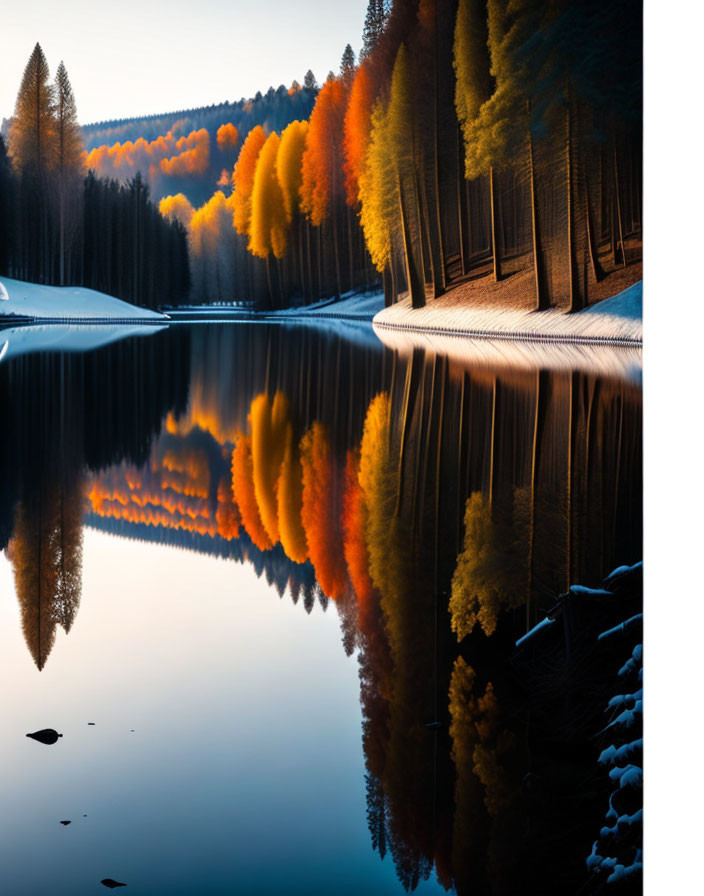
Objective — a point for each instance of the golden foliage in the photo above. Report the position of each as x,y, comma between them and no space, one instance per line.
267,229
289,496
177,207
288,165
377,191
227,136
269,422
243,179
491,570
244,494
193,156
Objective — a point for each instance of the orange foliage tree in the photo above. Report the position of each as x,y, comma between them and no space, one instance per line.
357,127
243,179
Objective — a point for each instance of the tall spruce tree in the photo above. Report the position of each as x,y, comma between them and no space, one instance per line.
374,21
68,148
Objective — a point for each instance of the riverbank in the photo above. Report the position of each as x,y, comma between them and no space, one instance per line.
22,302
614,321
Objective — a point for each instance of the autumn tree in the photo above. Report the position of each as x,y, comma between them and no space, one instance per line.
69,165
377,197
289,175
358,122
289,496
243,179
402,145
268,224
322,177
32,147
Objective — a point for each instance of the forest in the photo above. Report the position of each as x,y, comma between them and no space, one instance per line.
476,146
504,160
63,226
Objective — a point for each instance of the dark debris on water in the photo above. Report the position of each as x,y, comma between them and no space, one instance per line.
45,736
111,884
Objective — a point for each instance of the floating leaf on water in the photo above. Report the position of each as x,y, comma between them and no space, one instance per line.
64,822
109,882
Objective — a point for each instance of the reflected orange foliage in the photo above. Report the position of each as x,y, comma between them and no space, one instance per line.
320,511
353,527
227,514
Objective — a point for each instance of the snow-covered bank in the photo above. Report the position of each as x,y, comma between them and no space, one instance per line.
26,340
64,303
614,321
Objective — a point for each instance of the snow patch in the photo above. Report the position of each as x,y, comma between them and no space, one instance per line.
74,303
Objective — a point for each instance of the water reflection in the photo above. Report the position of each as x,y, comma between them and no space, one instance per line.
440,507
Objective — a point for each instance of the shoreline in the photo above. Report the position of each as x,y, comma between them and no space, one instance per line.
616,321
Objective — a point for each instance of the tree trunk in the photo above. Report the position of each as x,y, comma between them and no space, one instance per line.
417,296
542,299
575,298
461,210
494,226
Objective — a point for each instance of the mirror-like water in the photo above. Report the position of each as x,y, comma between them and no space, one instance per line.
284,573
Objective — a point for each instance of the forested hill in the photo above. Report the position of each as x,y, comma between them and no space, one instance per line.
273,110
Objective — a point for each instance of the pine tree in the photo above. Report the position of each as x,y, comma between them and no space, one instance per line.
309,82
68,149
347,65
33,126
31,147
374,22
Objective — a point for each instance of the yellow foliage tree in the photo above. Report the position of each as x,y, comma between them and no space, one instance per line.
243,179
377,191
268,223
288,166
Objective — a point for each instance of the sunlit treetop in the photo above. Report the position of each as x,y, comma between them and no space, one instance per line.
243,178
33,125
288,165
267,228
322,160
358,120
227,136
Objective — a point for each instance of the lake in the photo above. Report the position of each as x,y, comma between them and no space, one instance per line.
270,584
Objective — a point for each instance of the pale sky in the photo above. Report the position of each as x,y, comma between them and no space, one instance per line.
136,58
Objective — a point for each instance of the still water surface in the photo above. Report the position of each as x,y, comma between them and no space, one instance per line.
283,573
